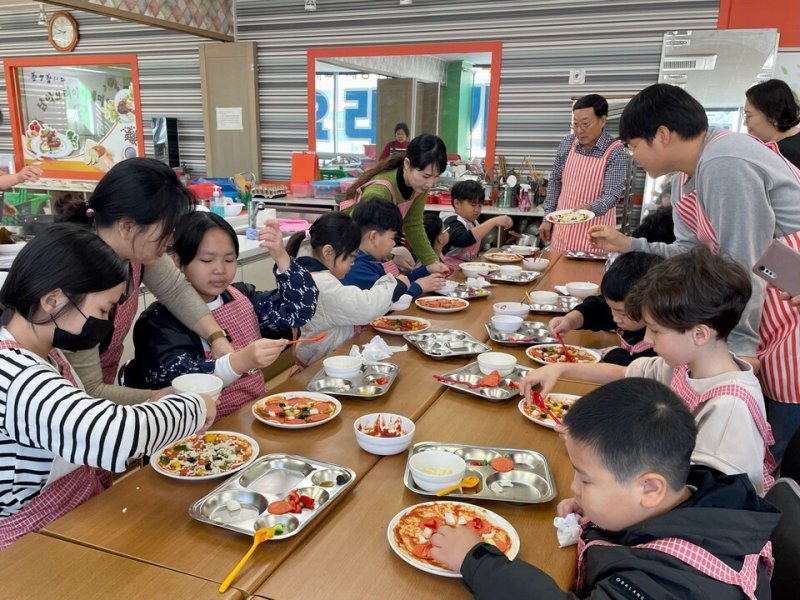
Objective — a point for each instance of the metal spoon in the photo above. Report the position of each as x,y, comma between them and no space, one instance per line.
262,535
468,482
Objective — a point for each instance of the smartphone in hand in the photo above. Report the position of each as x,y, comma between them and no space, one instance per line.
780,267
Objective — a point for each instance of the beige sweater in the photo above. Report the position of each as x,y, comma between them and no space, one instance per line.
727,437
170,287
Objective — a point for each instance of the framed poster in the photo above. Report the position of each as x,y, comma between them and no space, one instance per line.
74,117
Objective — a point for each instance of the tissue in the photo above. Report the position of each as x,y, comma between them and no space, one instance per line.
376,350
568,529
476,282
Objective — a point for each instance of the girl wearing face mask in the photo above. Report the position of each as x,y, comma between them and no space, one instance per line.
206,249
134,209
57,443
406,181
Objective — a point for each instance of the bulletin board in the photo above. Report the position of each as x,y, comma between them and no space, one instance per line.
74,117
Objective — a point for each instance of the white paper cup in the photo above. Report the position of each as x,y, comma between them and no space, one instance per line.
271,213
198,383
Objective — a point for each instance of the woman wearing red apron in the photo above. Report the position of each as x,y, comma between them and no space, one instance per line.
134,209
406,181
588,173
738,195
206,249
48,463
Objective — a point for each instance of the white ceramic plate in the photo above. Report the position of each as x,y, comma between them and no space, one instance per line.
124,95
579,216
490,266
65,149
422,565
503,257
463,304
592,353
313,395
154,459
425,325
546,421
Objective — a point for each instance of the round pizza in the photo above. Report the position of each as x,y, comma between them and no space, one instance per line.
559,405
555,353
437,304
410,531
399,325
296,410
568,216
213,454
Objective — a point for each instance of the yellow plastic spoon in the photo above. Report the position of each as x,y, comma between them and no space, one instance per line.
262,535
468,482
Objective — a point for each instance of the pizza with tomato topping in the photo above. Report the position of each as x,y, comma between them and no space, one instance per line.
555,353
410,532
295,410
213,454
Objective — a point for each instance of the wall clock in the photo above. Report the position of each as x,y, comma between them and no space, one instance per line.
62,32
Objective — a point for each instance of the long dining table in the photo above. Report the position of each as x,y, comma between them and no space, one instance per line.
144,516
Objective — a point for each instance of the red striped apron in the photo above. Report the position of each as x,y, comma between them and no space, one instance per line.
698,558
633,348
582,182
694,401
62,495
123,319
238,318
779,330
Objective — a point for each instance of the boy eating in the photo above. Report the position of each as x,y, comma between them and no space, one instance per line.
465,231
607,312
690,303
654,527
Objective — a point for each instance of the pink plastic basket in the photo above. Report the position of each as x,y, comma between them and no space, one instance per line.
302,190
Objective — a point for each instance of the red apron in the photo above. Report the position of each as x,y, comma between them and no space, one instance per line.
698,558
694,401
779,330
635,348
123,319
456,256
582,181
61,496
238,318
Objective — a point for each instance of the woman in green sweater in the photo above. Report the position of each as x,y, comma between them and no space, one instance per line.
406,181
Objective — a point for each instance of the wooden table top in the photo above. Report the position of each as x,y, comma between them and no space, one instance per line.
43,567
358,524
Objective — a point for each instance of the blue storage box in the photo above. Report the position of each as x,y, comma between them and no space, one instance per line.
326,189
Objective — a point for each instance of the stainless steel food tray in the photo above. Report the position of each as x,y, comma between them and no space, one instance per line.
472,374
522,278
363,385
563,305
530,482
446,343
271,477
467,293
576,255
530,332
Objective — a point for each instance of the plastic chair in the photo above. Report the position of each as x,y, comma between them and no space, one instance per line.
785,583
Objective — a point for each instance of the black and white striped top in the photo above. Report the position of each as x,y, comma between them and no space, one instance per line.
42,416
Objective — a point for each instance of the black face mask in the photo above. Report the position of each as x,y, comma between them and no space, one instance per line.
93,333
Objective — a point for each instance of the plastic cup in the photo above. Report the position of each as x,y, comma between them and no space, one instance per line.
198,383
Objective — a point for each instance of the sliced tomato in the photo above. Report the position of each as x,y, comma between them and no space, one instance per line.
490,380
478,525
431,523
501,543
293,497
315,418
503,464
422,550
307,501
279,507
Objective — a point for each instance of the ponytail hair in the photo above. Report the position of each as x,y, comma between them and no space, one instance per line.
424,150
336,229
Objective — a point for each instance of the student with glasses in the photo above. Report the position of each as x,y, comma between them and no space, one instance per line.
588,173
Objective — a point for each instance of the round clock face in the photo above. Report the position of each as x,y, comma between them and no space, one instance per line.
63,32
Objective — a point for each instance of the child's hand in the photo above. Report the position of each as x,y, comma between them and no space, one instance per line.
545,377
503,221
271,238
439,267
568,506
452,544
563,325
404,279
402,258
257,355
211,413
431,282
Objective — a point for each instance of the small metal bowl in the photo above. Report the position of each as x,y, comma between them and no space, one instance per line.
368,390
216,507
319,495
327,477
328,385
289,522
479,454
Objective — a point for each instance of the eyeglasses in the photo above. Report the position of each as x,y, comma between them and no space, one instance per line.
582,126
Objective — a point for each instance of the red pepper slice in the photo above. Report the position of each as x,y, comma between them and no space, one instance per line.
306,501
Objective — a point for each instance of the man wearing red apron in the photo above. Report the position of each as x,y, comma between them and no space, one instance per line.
737,196
588,173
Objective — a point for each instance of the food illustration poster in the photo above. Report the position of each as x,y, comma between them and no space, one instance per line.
80,119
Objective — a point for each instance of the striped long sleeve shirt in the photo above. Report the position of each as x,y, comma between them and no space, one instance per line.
43,416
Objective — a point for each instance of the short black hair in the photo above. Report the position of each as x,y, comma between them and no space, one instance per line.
626,272
190,232
662,104
690,289
469,190
378,215
433,226
776,100
334,228
401,127
658,226
593,101
636,425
